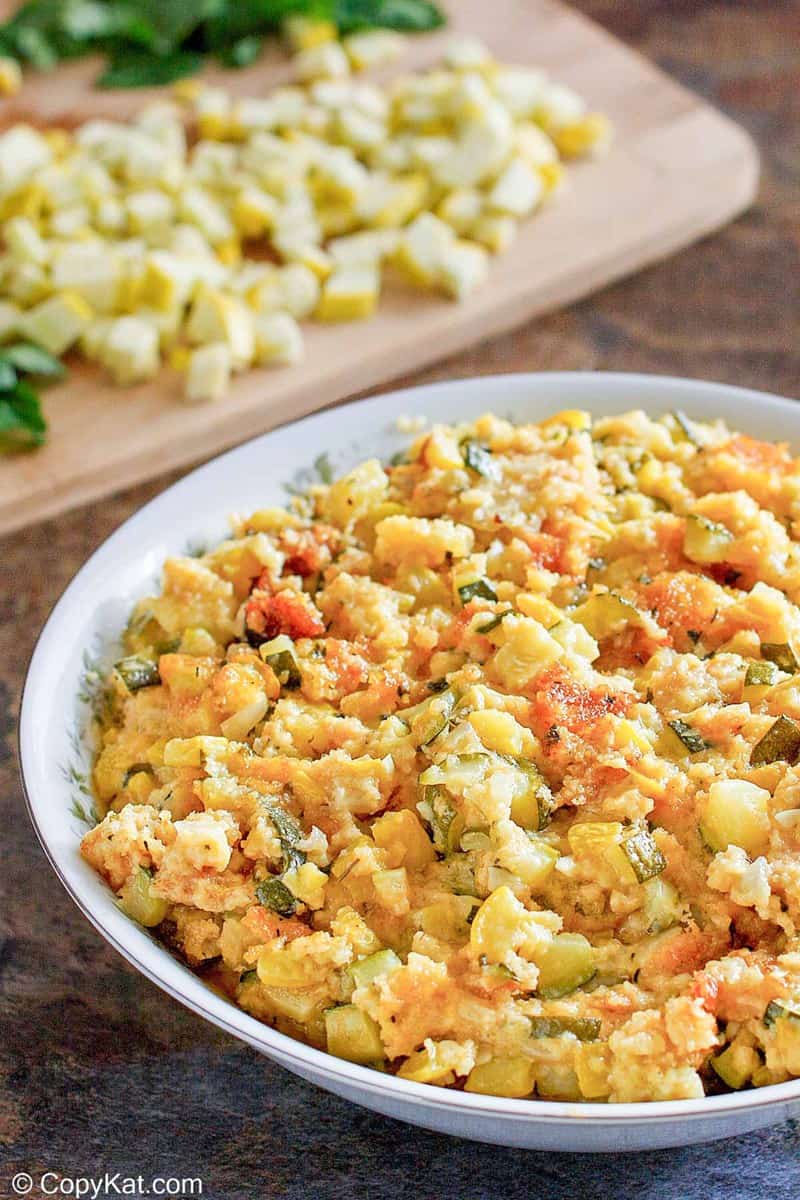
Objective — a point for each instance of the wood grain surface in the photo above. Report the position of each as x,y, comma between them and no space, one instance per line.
677,170
99,1070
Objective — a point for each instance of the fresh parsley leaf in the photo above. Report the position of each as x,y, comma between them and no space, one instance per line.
408,16
134,69
8,376
242,53
157,41
34,46
32,360
22,423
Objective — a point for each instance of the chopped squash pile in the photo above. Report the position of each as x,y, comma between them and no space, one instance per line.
484,768
139,245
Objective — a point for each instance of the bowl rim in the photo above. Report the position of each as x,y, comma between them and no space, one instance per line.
195,995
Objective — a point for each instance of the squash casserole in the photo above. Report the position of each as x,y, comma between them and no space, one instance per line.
483,768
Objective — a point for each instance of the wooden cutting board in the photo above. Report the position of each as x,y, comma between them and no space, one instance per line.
678,169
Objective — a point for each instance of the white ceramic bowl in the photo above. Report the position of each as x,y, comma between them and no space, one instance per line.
90,615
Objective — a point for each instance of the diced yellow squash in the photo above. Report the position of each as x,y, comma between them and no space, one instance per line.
137,901
499,731
527,650
736,1065
513,1077
352,1035
208,373
391,890
307,883
218,317
736,813
590,135
437,1062
565,964
349,294
447,919
496,924
279,339
373,48
57,323
402,836
592,1067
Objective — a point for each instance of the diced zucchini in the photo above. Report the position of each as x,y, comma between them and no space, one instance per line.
605,614
782,655
706,541
512,1077
736,813
776,1012
367,970
137,901
599,844
493,622
352,1035
280,654
535,866
735,1065
137,672
435,718
391,889
457,771
137,768
644,856
446,824
448,919
532,802
662,905
585,1029
557,1081
436,1062
278,968
458,876
781,742
274,894
691,740
480,588
762,674
565,965
302,1007
475,839
478,458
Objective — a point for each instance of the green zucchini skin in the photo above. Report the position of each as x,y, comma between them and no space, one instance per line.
782,655
274,894
777,1012
643,854
479,589
137,672
585,1029
762,674
781,743
478,458
694,742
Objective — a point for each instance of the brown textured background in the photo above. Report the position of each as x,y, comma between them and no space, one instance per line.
101,1071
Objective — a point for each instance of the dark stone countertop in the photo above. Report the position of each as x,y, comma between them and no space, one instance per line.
101,1071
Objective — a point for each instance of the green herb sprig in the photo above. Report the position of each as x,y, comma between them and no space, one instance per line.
151,42
22,422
